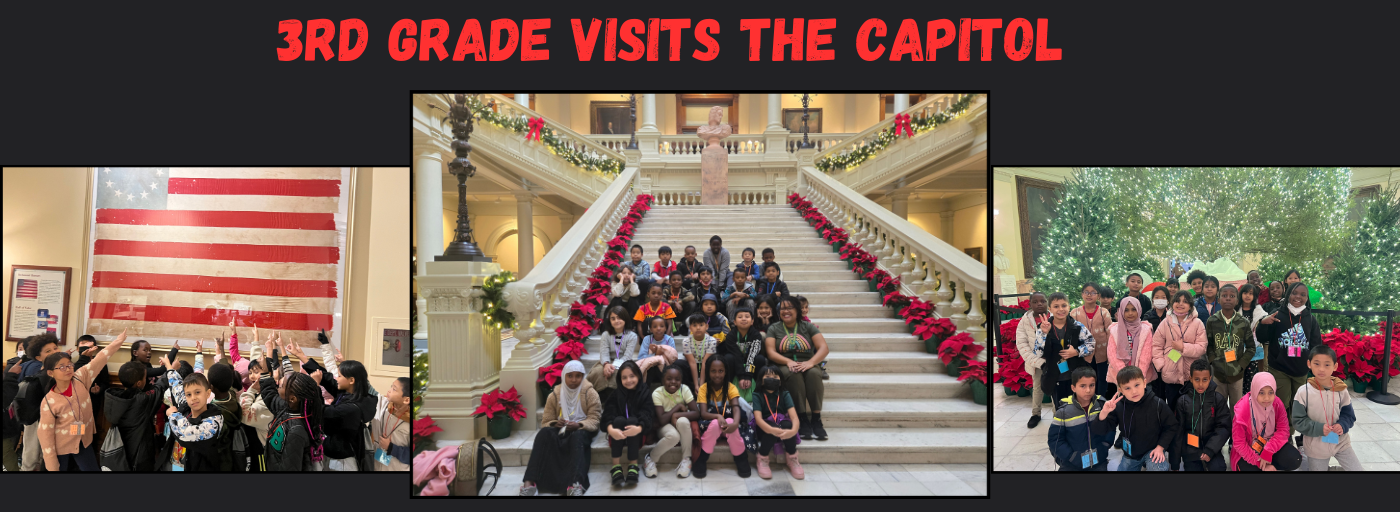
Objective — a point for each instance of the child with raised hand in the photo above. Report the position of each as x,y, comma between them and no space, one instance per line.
130,410
295,433
1259,439
777,422
1230,344
616,344
66,422
1204,417
1038,313
391,428
1290,333
351,407
719,417
1209,301
663,267
1322,413
1096,320
1064,344
676,411
194,425
1072,440
629,416
1147,424
696,349
658,349
748,265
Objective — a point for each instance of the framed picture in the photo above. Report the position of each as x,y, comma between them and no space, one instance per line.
393,355
792,119
179,253
693,110
975,252
610,117
38,302
1036,204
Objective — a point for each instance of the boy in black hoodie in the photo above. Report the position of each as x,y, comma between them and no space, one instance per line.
1290,333
195,425
131,409
1205,418
1147,423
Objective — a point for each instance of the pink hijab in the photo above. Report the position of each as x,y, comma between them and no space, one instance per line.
1141,331
1263,414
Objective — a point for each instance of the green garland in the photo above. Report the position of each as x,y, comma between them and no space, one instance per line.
520,125
883,138
494,301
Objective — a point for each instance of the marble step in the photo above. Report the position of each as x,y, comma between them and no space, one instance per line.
902,413
661,208
845,445
894,385
754,227
820,311
858,325
726,218
814,298
734,245
844,361
799,275
845,285
872,342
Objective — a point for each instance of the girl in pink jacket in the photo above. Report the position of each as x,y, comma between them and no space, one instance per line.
1260,434
1130,341
1178,341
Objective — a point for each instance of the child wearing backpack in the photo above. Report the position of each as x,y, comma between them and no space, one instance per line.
29,394
131,410
66,423
295,434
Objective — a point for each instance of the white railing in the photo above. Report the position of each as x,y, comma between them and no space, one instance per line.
927,267
737,196
948,146
820,141
738,144
541,299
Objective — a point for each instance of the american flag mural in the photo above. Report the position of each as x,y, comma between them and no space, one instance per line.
176,253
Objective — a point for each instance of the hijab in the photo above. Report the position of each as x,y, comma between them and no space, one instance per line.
570,402
1263,423
1140,330
630,400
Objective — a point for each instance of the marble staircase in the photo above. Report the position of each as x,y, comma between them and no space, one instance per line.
888,401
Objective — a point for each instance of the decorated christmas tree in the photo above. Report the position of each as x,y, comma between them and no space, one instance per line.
1083,243
1366,277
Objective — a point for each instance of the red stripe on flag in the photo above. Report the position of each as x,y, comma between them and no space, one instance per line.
234,252
217,219
205,316
207,284
212,186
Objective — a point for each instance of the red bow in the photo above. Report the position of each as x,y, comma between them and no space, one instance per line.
536,128
902,121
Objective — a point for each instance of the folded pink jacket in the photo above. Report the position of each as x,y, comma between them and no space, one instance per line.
438,468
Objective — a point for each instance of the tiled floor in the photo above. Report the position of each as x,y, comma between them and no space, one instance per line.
821,480
1376,437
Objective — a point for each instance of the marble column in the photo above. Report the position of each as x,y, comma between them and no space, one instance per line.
947,232
427,169
648,112
648,136
899,204
525,230
775,135
466,350
523,100
901,103
775,112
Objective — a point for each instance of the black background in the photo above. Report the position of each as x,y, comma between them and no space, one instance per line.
1179,83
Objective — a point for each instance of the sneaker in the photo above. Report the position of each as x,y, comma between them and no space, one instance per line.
528,490
683,470
764,471
617,476
649,467
1035,420
794,467
576,489
804,428
1299,440
824,374
632,476
818,430
741,463
699,465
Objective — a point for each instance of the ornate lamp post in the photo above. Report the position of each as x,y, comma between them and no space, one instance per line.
632,105
462,248
806,144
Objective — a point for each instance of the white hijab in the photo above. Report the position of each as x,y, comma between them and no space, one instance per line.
570,403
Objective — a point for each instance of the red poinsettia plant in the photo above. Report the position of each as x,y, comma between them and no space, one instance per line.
423,428
930,327
896,300
975,371
1362,357
960,346
1008,328
835,235
916,310
569,351
1011,368
497,402
887,283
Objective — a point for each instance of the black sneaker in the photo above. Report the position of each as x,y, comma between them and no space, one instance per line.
804,428
632,473
817,430
824,375
697,468
741,463
1035,420
617,476
1299,440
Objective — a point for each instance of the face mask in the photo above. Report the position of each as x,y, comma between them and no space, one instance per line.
1160,303
1297,310
770,384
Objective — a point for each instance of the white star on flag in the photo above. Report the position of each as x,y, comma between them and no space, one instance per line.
109,183
143,194
160,173
153,185
119,193
130,196
106,169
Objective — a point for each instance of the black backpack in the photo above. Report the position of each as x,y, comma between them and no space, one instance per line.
30,397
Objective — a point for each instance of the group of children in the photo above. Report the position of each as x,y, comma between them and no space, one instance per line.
1244,365
278,410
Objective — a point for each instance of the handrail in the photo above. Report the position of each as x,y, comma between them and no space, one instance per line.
579,139
933,103
900,245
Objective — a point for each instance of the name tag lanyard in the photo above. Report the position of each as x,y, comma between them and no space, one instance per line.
1229,334
73,405
1127,426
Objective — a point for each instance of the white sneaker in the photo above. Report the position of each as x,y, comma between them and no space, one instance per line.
683,470
649,467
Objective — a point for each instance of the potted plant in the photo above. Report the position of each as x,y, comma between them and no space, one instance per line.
915,312
1011,371
501,410
956,351
976,373
933,331
423,430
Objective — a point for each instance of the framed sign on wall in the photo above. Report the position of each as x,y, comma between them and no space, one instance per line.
391,347
178,253
38,302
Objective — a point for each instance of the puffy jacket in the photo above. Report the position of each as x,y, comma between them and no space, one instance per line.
1242,434
132,412
1025,342
1212,422
1203,311
1143,348
1070,433
1192,338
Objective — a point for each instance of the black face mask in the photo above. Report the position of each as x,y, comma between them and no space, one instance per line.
770,384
